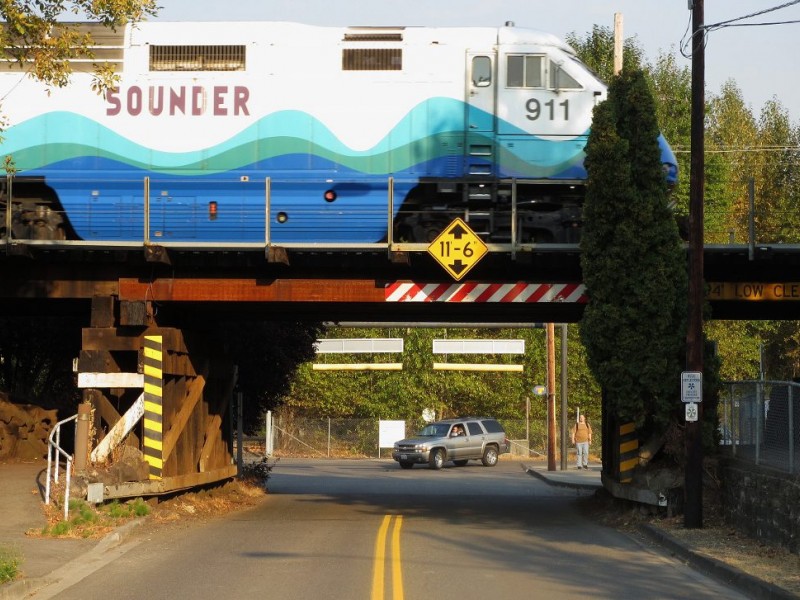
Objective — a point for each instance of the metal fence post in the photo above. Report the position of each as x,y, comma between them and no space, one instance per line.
759,418
791,429
737,437
329,437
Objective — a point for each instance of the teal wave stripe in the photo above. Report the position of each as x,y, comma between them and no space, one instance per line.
430,131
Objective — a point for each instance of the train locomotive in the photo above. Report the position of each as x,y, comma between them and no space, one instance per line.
248,133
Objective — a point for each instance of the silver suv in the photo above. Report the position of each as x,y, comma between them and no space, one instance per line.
459,440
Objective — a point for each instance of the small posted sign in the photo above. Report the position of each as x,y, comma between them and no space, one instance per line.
691,386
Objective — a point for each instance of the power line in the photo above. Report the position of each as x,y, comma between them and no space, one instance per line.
706,29
728,23
761,24
733,149
742,150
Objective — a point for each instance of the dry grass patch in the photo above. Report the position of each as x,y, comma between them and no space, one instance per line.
86,521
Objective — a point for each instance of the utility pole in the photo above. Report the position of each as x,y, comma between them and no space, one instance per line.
693,483
551,397
619,42
564,424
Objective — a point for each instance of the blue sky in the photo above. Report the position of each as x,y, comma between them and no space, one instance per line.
762,60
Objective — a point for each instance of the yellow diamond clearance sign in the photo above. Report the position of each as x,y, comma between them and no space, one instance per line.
457,249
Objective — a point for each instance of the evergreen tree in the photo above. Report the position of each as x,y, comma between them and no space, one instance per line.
634,326
596,50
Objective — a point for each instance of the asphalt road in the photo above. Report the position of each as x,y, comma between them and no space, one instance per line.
368,530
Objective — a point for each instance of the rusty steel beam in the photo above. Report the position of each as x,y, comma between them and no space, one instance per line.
252,290
57,288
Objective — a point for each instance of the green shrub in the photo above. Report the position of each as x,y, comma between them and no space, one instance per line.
10,561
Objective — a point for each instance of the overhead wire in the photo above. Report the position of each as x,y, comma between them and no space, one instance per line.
686,38
729,22
742,149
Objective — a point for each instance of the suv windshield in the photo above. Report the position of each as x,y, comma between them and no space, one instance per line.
435,430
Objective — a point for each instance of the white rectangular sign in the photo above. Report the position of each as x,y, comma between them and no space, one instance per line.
110,380
460,346
691,412
390,432
691,386
359,345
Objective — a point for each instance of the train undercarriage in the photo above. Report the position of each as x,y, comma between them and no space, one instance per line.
500,212
35,212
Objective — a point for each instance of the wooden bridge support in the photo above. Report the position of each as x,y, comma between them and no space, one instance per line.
190,377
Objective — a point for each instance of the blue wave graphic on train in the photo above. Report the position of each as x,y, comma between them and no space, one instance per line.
98,175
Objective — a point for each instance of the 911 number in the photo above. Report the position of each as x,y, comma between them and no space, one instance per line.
536,109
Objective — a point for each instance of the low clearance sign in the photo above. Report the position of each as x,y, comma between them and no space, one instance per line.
754,291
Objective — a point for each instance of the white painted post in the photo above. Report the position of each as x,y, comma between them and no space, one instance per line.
270,441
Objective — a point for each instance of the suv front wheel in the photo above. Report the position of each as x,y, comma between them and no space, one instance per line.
490,456
436,459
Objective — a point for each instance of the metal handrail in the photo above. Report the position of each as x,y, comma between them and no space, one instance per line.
53,450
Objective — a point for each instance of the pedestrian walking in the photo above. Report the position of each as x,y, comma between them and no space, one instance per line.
581,438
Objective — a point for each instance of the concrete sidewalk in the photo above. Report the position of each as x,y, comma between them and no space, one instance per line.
571,478
21,499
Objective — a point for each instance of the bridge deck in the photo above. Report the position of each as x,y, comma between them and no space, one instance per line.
353,285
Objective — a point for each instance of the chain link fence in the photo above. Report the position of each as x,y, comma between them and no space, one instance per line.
358,438
760,423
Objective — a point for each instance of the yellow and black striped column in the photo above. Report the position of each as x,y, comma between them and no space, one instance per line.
153,386
628,452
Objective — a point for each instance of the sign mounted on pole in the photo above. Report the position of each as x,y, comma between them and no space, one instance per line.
691,386
457,249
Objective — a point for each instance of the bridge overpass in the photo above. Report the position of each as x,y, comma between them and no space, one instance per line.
540,285
147,308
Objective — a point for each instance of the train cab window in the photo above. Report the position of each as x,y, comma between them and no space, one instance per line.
481,71
561,80
525,71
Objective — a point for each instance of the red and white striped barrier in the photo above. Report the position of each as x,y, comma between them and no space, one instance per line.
485,292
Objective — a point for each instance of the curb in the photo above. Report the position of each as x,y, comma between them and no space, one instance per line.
555,482
25,588
752,586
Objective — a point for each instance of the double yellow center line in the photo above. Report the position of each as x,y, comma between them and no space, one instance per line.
379,567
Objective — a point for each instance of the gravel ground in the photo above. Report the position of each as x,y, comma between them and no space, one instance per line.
715,540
